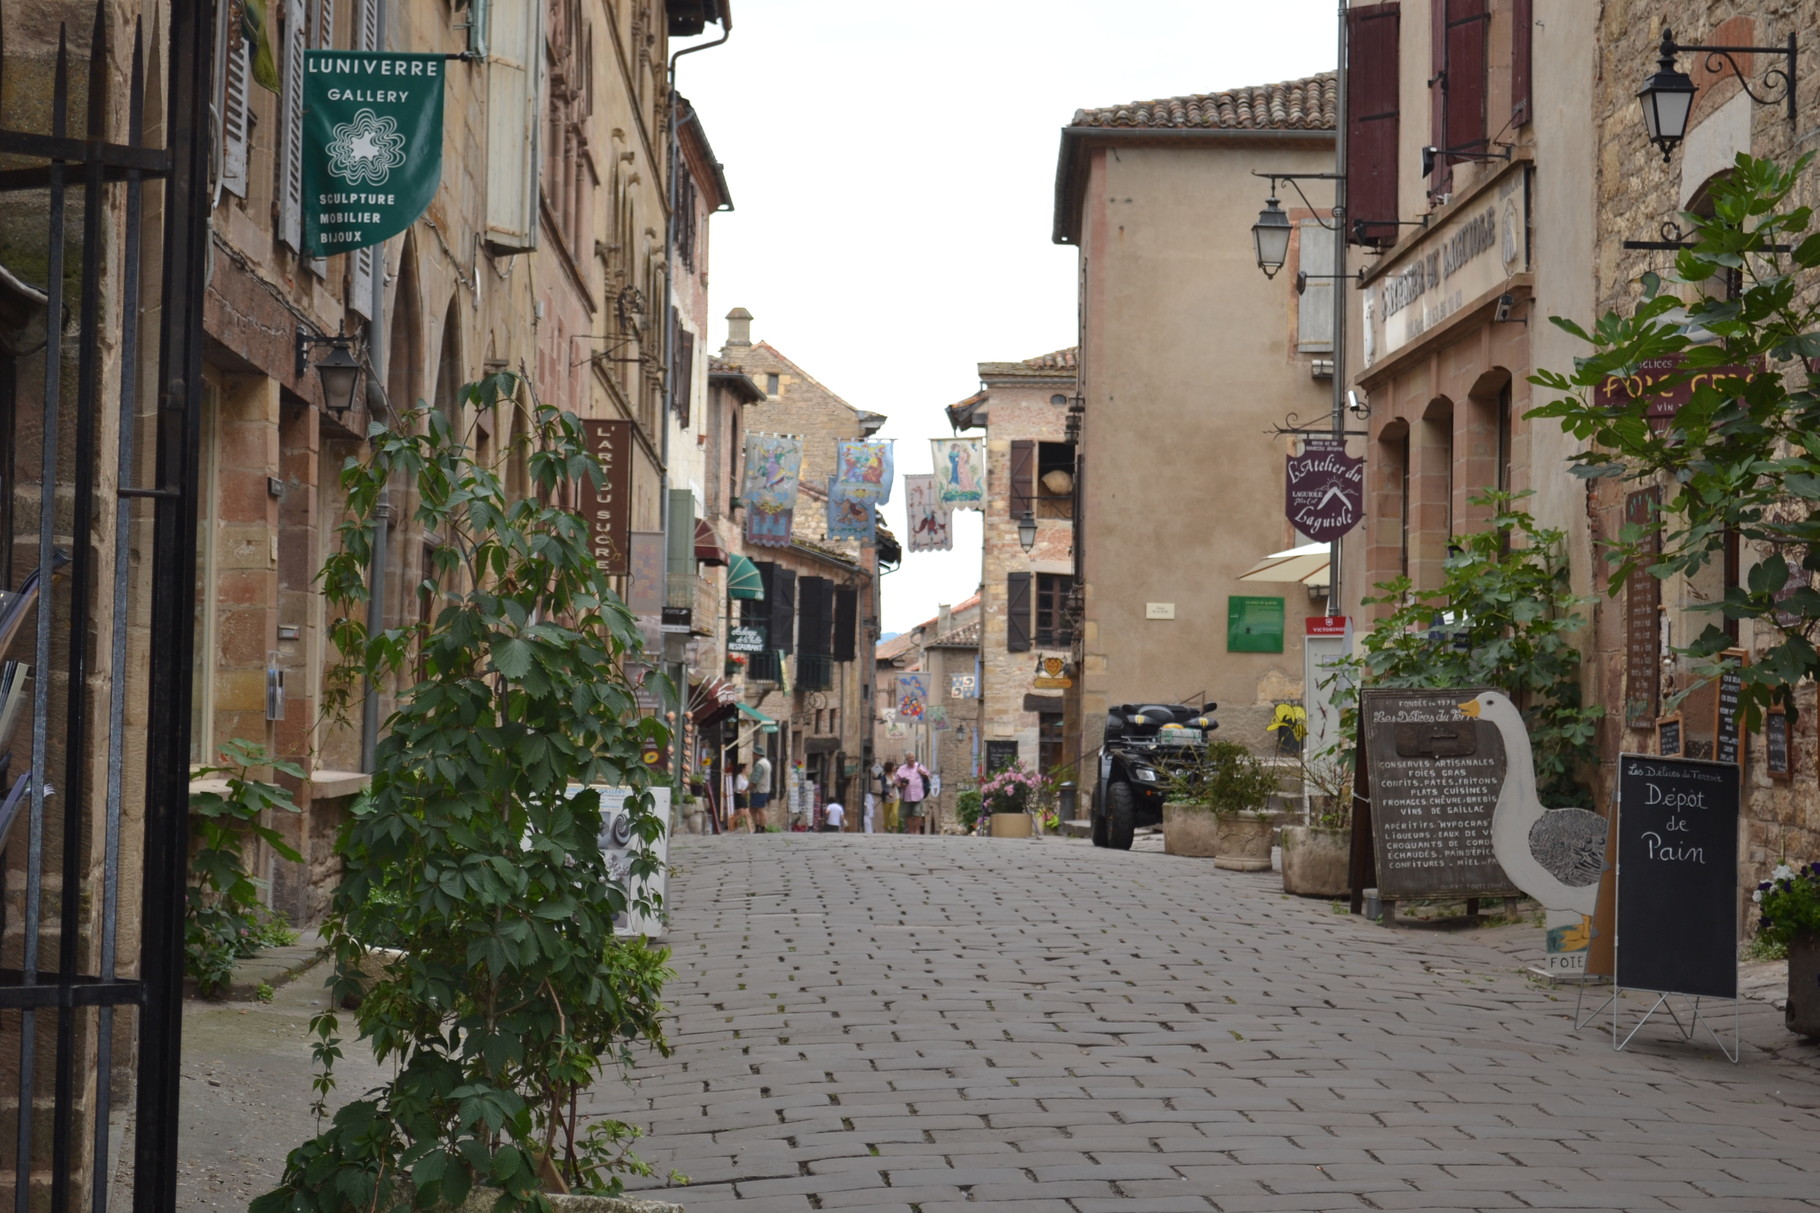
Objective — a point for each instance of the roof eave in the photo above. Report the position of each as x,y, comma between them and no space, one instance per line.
1069,176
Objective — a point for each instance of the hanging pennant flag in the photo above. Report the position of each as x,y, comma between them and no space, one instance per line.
912,696
930,522
847,518
960,471
372,145
773,464
256,42
863,470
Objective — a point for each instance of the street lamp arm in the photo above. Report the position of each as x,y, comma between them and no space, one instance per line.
1292,178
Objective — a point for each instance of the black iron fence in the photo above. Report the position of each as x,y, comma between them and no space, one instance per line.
103,230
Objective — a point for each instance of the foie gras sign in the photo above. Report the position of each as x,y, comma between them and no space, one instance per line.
1324,489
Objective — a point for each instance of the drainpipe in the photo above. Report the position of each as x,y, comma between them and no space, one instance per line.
1334,599
680,673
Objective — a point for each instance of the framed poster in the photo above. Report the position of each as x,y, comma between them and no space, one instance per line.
1254,625
1729,744
1669,742
1776,758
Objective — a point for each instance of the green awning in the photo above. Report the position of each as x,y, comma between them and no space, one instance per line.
754,714
743,580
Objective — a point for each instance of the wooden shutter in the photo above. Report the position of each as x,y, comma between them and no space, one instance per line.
781,594
1522,27
1023,477
682,370
1371,121
514,158
1467,21
1440,177
1314,310
816,624
235,75
361,261
846,624
290,126
1017,612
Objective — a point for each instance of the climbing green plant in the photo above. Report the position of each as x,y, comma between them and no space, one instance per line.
1741,458
1505,616
476,850
223,920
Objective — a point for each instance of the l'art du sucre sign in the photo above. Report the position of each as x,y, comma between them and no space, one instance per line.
1471,255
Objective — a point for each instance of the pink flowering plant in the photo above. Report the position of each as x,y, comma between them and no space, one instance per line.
1017,789
1790,904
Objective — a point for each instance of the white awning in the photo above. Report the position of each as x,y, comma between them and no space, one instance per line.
1307,564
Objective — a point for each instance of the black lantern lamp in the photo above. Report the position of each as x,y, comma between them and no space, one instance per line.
1026,531
1271,235
1668,96
338,370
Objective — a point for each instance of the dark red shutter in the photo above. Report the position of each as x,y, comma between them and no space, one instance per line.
1023,477
846,623
1017,612
1371,121
1440,179
1467,22
1522,23
781,594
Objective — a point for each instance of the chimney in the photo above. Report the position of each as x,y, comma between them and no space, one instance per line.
944,620
739,327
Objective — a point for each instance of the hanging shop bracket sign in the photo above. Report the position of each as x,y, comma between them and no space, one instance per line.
372,145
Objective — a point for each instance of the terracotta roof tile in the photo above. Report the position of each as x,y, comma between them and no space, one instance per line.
1292,105
967,637
1057,364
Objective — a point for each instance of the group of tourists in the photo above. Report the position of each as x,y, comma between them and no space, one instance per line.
894,799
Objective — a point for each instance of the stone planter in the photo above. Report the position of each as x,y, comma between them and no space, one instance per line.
1011,825
1245,841
1316,861
1190,829
1803,1013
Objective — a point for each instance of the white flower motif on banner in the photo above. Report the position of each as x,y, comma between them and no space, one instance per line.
366,150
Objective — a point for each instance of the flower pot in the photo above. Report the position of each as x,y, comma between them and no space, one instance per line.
1803,1013
1245,841
1316,861
1011,825
1190,829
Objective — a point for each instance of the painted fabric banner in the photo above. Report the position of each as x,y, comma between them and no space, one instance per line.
930,522
960,471
372,145
773,464
863,470
849,518
912,696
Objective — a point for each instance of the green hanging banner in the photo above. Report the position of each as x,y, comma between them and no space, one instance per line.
372,145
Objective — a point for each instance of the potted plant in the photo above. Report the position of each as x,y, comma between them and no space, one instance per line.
1238,788
1010,795
1317,855
1790,905
1190,825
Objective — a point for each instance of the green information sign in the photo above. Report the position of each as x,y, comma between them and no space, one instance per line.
372,145
1254,625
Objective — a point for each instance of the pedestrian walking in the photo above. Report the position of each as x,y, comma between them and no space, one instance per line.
759,790
832,817
886,789
913,788
736,788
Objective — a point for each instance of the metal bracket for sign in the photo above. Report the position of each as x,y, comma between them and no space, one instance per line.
1694,1022
1289,426
1674,238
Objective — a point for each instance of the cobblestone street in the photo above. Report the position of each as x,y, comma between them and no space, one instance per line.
907,1024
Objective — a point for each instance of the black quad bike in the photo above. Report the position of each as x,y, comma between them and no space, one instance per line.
1143,741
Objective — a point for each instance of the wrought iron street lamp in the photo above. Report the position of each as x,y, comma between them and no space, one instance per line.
1667,96
1026,531
1271,235
338,370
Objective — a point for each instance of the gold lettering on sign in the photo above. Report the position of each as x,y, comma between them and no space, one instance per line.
607,506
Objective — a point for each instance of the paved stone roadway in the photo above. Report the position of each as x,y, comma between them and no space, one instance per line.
943,1024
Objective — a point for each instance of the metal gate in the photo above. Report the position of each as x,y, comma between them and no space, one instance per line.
104,157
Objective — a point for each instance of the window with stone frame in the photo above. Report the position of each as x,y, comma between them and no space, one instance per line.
569,176
1053,628
1054,480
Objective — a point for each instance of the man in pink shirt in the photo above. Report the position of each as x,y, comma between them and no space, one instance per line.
913,787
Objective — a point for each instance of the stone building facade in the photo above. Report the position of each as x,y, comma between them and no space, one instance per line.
1637,191
948,737
1188,359
1027,598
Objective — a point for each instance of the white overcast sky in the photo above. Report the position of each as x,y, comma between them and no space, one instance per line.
893,175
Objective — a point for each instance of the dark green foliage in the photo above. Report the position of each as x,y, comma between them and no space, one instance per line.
1742,456
223,920
1504,616
1225,778
509,994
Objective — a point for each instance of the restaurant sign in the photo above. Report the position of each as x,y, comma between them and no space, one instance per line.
1665,384
1470,255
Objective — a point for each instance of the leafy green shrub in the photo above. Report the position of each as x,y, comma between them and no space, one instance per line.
1789,902
968,806
476,850
223,920
1224,778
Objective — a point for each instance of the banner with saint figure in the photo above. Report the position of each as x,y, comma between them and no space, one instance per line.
372,145
862,469
960,471
773,464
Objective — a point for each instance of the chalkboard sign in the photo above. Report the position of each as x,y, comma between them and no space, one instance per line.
1677,878
1434,774
1775,743
999,755
1642,627
1728,718
1668,736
